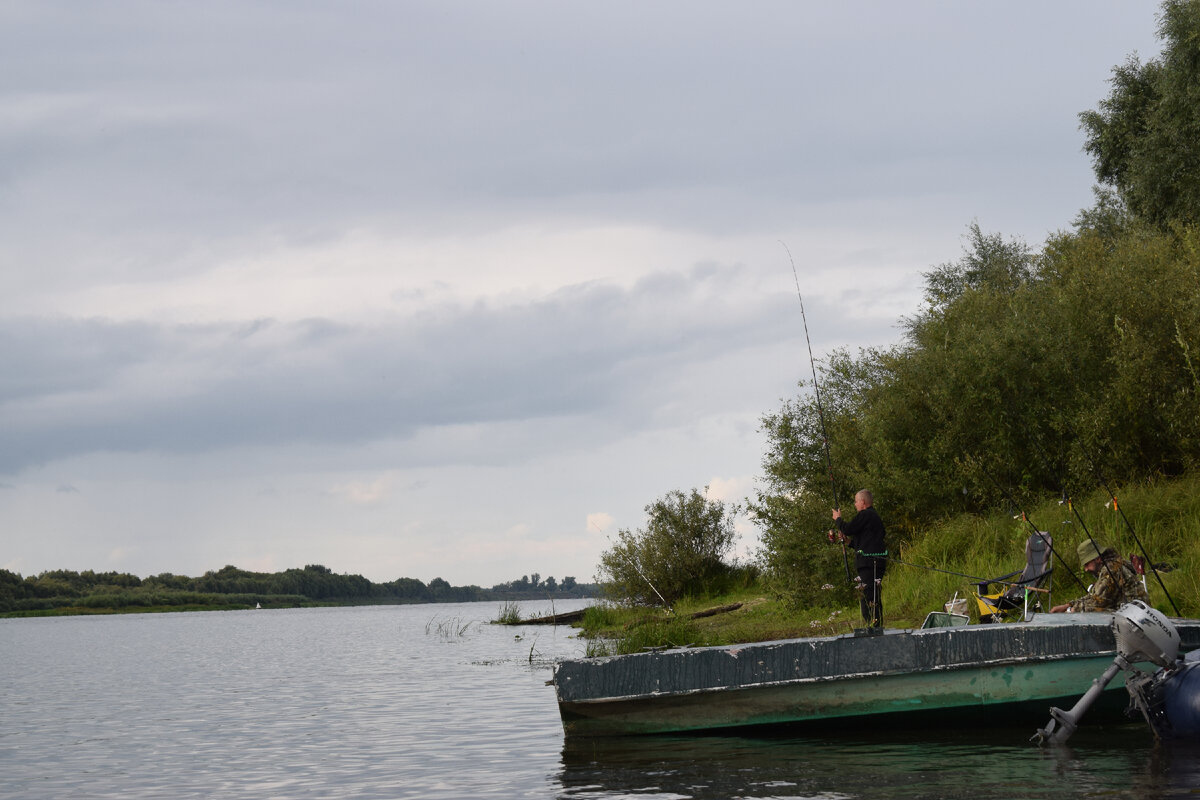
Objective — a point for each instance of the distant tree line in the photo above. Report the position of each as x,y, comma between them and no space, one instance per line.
233,587
533,586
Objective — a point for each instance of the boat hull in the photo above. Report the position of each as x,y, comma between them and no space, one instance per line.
984,674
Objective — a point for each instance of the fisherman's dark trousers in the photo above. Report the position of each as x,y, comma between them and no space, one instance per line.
870,574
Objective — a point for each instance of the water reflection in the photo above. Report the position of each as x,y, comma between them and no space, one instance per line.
1116,762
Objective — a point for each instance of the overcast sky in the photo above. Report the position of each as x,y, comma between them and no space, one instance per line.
455,289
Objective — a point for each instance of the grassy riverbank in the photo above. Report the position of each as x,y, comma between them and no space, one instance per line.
946,560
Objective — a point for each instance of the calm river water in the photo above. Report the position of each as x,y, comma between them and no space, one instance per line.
434,702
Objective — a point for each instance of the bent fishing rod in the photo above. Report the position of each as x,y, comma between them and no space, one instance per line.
820,408
1029,522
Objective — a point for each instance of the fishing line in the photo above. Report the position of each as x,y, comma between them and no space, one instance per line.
974,578
820,407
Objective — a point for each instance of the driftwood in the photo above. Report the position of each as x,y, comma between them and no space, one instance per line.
565,618
712,612
568,617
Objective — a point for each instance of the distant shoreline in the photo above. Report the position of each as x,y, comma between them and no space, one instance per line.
83,611
70,593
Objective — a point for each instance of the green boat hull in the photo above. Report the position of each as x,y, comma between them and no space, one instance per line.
974,675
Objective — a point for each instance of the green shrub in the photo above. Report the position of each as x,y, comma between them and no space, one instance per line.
680,553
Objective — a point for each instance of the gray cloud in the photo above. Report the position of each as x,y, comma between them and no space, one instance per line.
228,119
594,349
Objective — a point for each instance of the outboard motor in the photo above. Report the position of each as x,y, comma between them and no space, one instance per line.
1169,699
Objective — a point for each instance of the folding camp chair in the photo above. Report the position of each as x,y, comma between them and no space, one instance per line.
1021,589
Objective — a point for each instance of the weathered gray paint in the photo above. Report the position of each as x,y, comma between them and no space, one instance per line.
802,679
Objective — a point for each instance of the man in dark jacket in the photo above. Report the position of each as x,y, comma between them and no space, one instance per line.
865,535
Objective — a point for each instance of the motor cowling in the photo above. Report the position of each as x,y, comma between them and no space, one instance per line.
1145,634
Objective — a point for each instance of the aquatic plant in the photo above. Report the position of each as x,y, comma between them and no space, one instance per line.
510,614
451,628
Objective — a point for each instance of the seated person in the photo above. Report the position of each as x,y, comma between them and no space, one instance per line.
1116,583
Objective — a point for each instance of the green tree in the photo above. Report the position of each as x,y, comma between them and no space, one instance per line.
679,553
440,589
408,589
167,580
797,490
12,588
1086,356
1144,138
988,262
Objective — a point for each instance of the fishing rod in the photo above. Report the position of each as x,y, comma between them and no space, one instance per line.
1116,507
1044,457
974,578
1128,524
1108,567
666,605
1027,521
820,408
629,558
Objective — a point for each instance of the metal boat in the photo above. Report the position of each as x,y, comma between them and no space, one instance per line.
957,675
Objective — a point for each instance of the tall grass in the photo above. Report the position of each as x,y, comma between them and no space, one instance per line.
663,633
1165,517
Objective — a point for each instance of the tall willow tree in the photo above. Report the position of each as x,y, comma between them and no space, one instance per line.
1145,136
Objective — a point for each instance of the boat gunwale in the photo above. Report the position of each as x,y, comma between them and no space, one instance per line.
847,677
1096,620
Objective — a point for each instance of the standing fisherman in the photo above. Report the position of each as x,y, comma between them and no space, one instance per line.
865,535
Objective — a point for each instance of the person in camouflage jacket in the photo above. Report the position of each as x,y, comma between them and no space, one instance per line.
1116,582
